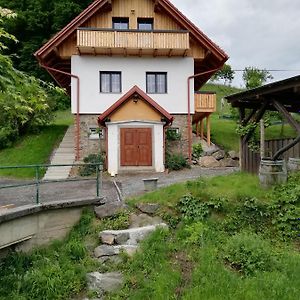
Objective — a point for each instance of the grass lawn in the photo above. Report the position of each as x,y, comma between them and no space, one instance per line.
35,148
227,239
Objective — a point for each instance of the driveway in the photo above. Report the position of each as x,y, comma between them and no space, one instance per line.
130,184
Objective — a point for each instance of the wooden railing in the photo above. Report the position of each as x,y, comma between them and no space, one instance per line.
205,102
132,39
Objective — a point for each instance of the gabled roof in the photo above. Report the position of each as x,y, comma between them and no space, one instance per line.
203,40
131,93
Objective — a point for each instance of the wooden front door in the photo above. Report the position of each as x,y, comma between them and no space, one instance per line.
136,147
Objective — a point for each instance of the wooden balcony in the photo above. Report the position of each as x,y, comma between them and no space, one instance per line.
205,102
132,42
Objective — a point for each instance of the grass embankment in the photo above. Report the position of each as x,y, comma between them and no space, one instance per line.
223,129
35,148
228,239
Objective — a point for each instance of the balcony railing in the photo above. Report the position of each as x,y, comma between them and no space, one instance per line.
205,102
133,42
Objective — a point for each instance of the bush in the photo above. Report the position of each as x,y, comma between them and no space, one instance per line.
285,207
88,169
176,162
248,253
197,150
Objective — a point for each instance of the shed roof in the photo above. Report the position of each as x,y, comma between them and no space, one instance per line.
286,91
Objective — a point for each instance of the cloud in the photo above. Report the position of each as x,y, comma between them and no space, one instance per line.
260,33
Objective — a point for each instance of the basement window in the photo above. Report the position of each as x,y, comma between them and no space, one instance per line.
95,133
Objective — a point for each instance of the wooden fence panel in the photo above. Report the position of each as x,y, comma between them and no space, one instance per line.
250,160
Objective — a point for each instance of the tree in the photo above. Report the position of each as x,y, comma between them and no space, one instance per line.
24,100
254,77
226,74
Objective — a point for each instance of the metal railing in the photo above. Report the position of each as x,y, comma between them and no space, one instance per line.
38,181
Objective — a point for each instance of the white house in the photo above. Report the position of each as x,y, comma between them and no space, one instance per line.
130,66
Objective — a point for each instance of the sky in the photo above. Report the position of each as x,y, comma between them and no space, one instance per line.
260,33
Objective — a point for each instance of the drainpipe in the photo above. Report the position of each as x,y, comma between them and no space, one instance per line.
189,123
77,156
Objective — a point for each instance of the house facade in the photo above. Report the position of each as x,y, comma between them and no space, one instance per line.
129,67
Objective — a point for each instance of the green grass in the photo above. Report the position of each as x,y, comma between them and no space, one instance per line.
34,148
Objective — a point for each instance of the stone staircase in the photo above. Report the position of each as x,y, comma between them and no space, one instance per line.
64,154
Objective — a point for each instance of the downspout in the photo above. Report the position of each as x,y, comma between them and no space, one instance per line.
189,123
77,156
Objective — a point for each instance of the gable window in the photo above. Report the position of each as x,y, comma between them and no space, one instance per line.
120,23
145,24
110,82
156,82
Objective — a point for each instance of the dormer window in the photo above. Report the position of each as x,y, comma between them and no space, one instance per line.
145,24
120,23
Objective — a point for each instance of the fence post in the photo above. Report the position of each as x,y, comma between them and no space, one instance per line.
97,180
37,180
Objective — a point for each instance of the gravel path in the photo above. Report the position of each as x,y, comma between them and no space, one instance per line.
131,185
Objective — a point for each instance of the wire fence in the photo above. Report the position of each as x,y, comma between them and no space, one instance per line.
15,192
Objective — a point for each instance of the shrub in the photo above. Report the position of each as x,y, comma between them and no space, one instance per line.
197,150
176,162
195,233
248,253
285,207
88,169
172,135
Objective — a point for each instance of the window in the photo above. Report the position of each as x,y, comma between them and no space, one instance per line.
145,24
156,83
110,82
95,133
120,23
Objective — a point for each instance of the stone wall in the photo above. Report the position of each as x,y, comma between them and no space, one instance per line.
88,145
180,146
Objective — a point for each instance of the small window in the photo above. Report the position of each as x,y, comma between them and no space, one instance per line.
95,133
110,82
173,134
145,24
120,23
156,82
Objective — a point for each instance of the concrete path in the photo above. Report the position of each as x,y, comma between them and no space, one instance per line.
63,155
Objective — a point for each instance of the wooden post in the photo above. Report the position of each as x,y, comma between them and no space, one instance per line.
208,129
197,129
262,138
202,129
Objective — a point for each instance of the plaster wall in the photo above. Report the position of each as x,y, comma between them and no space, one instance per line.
133,70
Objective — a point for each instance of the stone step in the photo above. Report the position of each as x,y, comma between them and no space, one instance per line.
131,236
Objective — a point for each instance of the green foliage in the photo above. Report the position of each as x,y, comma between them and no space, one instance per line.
197,150
254,77
195,233
54,273
88,169
226,74
248,253
172,135
285,207
176,162
117,222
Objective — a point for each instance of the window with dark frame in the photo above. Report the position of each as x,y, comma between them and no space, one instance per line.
120,23
156,82
145,24
110,82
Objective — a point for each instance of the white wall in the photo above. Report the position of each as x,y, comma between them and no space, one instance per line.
114,155
133,73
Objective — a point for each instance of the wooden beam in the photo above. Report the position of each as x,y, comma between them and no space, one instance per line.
257,118
287,115
94,51
185,53
170,52
208,129
245,120
155,52
78,50
140,52
286,148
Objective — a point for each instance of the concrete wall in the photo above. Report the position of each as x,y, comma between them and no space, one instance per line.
133,73
36,225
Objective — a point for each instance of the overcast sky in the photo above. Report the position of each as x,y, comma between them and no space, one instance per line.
260,33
